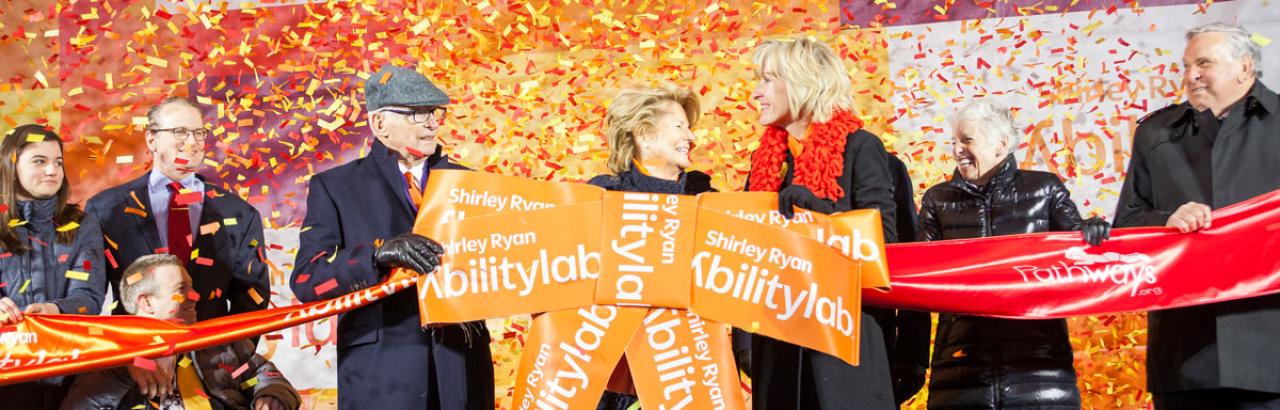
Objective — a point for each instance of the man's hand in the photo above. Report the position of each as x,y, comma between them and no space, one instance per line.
409,251
268,403
157,383
42,309
9,312
1190,217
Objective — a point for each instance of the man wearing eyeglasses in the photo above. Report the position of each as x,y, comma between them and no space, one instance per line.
357,229
172,209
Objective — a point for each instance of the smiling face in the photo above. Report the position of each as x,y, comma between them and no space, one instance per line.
1214,79
772,99
174,156
169,301
976,153
667,145
39,170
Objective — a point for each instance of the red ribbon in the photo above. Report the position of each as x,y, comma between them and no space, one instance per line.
1057,275
1020,276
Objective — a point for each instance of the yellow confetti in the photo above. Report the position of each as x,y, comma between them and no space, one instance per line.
124,159
70,226
25,283
77,275
421,26
1260,40
229,222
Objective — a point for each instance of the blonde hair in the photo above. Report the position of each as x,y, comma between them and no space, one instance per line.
817,81
634,112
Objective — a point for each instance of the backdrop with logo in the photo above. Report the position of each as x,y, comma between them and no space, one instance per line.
531,81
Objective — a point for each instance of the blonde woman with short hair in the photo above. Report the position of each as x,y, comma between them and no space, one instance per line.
815,155
650,147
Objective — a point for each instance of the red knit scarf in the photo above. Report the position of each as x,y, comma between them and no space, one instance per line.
820,163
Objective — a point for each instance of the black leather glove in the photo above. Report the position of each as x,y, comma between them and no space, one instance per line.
1095,230
409,251
800,196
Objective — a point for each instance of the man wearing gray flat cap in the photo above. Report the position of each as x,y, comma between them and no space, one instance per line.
385,359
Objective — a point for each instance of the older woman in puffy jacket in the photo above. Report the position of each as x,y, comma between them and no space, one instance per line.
990,363
50,254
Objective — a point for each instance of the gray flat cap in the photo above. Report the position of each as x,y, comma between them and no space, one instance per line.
398,86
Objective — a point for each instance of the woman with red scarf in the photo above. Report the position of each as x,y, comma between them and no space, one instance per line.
816,156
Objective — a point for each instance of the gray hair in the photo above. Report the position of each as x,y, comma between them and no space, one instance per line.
151,114
994,118
138,280
1239,40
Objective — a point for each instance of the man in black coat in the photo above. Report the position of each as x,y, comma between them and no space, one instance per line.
218,235
386,360
1219,148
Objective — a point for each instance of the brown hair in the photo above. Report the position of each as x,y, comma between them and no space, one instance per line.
12,144
634,112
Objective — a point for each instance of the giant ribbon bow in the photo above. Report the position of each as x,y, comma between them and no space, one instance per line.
651,275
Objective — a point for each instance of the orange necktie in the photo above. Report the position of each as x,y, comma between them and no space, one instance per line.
415,193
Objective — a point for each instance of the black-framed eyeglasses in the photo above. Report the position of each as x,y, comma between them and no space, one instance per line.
421,115
182,134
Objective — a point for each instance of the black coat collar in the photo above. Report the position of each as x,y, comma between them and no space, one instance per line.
1004,175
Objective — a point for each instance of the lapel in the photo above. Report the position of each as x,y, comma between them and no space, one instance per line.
390,169
1175,156
210,212
144,224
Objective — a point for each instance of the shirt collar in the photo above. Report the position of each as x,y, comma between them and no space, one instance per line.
158,182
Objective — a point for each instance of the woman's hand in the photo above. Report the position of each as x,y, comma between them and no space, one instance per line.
798,195
9,312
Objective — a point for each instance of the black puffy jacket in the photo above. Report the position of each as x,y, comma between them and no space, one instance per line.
991,363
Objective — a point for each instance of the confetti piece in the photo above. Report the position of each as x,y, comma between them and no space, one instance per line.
124,159
257,299
240,370
77,275
229,222
185,362
321,288
1260,40
144,363
70,226
188,198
